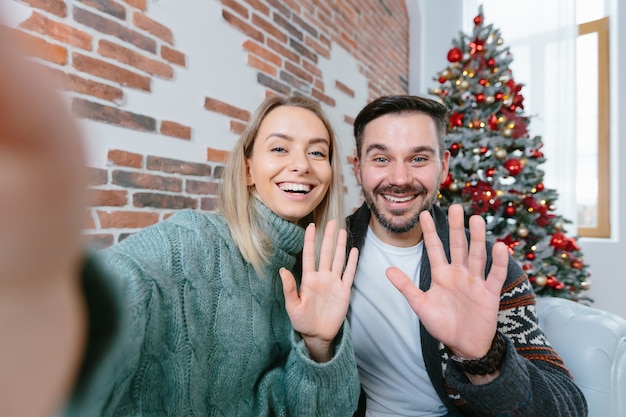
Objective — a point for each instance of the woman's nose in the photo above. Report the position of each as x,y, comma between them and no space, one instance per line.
299,162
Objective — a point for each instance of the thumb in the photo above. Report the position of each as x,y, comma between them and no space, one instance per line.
289,288
403,283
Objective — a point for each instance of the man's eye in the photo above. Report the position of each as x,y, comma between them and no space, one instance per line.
380,160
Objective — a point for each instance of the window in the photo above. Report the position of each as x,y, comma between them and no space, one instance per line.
593,168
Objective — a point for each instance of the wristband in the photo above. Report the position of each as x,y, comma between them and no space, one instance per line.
489,363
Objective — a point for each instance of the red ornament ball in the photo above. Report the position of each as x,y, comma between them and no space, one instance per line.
514,166
531,256
491,62
540,187
455,55
480,97
509,210
454,149
478,20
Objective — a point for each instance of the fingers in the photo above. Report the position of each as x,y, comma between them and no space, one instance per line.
340,252
308,251
458,238
432,242
404,284
350,271
290,290
477,250
326,251
499,266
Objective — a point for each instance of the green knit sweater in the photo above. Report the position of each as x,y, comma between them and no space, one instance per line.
201,334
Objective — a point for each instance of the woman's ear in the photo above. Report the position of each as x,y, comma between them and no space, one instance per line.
249,176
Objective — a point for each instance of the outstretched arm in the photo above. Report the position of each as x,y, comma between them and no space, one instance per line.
41,187
319,308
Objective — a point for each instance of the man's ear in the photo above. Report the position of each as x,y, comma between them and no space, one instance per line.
445,164
249,176
356,169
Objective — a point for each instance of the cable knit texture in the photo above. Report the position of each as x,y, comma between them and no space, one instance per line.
204,335
533,381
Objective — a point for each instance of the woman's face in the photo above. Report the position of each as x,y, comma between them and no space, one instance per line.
290,166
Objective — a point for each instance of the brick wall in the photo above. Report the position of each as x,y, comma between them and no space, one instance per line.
104,53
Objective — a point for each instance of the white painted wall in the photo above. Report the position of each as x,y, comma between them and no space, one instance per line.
440,22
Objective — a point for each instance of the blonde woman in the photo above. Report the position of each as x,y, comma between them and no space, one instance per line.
201,314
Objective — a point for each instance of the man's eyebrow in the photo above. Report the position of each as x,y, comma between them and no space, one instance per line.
384,148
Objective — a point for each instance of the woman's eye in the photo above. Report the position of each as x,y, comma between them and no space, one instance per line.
278,149
319,154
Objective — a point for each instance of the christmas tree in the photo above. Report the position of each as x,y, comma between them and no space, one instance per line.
495,164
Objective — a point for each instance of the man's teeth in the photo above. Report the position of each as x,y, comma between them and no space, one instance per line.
398,199
295,188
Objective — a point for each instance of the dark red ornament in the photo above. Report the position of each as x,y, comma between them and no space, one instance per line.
456,119
491,62
531,256
514,166
482,82
442,80
480,97
455,55
493,122
478,20
509,211
539,186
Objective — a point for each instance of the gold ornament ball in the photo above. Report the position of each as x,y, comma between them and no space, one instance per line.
522,231
500,41
585,285
445,73
507,133
500,153
490,99
464,85
454,187
541,280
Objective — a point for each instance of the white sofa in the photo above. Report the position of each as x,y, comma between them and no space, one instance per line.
592,343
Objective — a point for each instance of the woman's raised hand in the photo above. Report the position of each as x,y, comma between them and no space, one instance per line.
318,309
41,214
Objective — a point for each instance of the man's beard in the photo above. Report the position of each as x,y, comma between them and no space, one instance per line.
386,222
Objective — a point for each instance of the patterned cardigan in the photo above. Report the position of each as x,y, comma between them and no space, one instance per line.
533,381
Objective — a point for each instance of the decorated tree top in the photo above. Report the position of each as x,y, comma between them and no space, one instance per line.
495,164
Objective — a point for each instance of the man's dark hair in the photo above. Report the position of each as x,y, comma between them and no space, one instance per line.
401,104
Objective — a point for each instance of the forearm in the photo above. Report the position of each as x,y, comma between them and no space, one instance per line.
523,389
43,335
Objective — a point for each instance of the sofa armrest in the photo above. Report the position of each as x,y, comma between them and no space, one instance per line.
592,343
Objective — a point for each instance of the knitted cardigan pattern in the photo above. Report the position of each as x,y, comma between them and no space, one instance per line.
533,381
199,333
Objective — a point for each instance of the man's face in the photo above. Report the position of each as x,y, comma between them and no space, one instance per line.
400,170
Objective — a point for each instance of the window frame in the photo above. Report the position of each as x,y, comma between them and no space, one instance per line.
603,224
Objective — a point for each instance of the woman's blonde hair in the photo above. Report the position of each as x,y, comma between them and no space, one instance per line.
235,195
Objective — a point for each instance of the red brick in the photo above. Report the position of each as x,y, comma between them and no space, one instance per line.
348,119
262,52
113,28
243,26
173,56
283,50
323,97
175,130
262,66
97,176
110,72
208,203
259,6
162,32
216,155
111,198
298,72
146,181
134,59
237,127
124,158
56,7
107,6
137,4
164,201
317,47
175,166
344,88
218,106
269,28
236,7
126,219
57,30
201,187
94,111
78,84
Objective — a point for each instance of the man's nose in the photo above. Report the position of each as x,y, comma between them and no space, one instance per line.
399,174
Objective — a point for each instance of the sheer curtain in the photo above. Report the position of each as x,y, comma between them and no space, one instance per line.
542,36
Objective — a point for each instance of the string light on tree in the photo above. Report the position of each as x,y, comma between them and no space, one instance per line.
495,164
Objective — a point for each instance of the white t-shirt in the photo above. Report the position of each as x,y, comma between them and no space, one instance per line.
386,335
